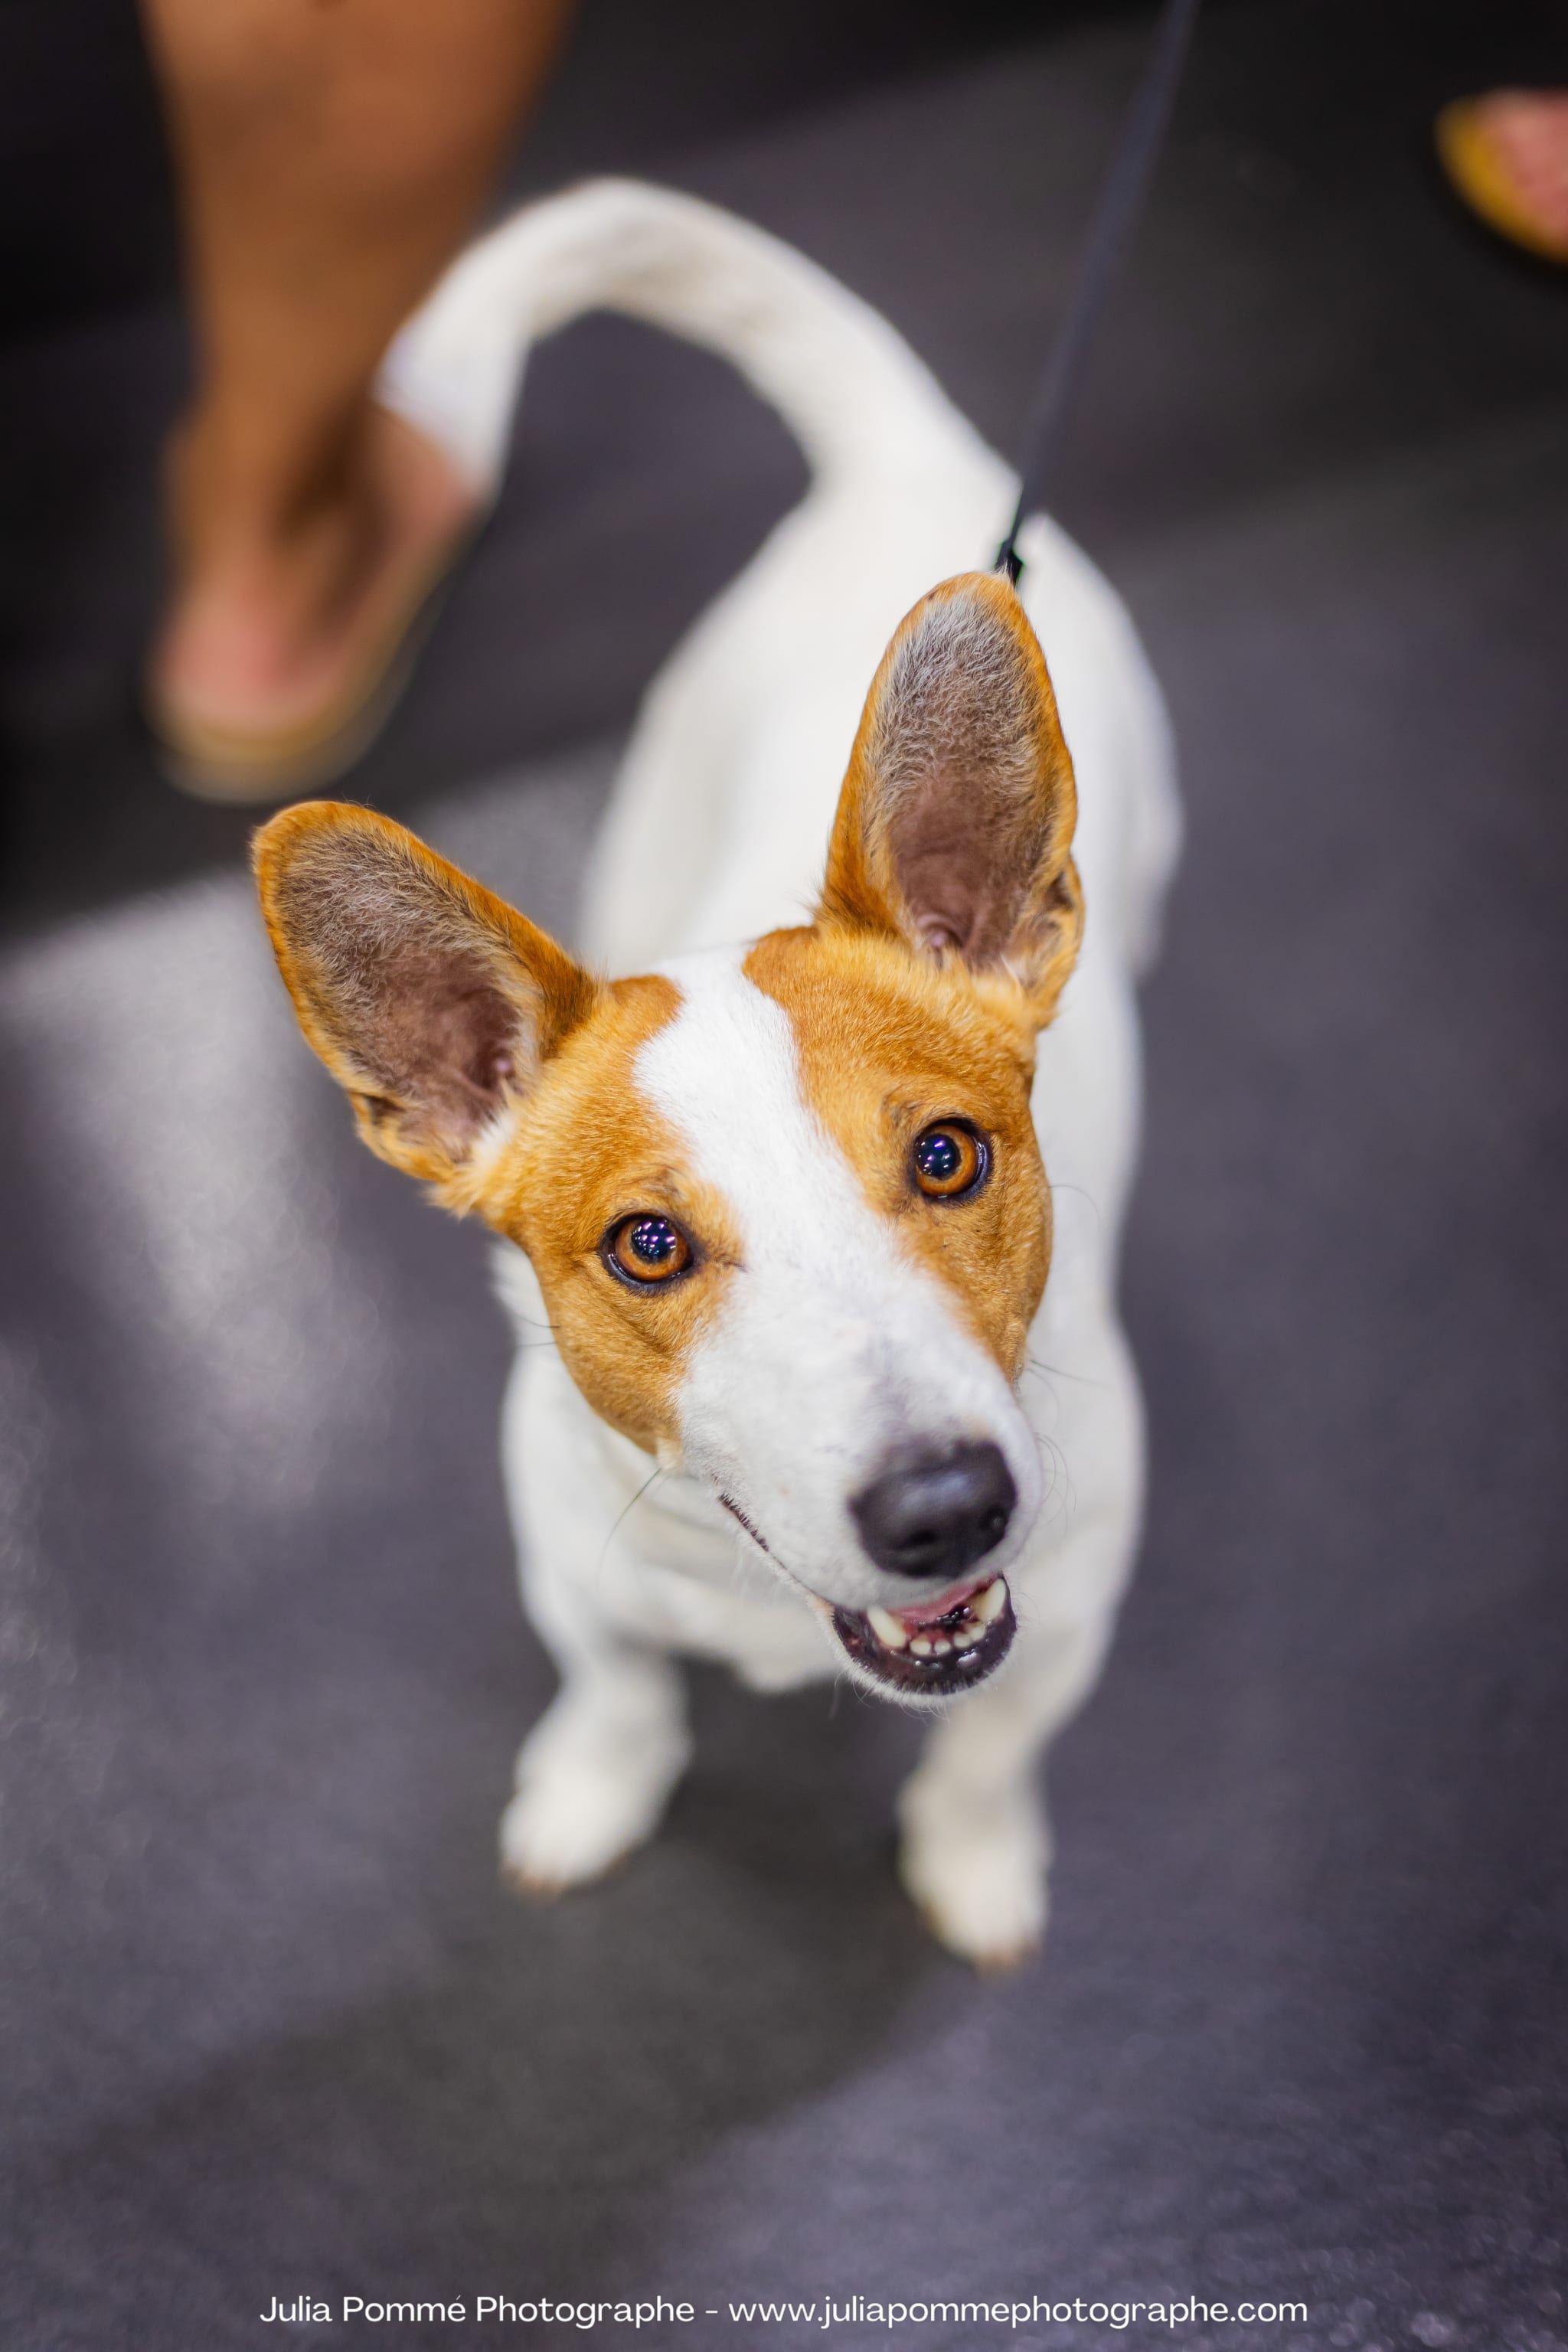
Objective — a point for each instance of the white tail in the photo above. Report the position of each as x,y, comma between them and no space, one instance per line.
849,388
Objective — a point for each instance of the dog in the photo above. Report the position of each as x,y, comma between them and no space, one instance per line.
812,1406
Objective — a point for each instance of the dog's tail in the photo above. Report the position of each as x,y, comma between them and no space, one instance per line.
849,388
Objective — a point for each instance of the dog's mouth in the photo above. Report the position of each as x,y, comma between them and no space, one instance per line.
932,1652
929,1651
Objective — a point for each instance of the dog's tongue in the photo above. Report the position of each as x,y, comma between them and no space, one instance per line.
931,1612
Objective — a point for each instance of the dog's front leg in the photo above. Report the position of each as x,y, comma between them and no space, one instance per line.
974,1843
595,1774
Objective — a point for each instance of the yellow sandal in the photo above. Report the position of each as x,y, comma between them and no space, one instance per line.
1485,172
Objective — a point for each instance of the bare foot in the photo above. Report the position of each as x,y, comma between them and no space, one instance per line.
280,625
1507,153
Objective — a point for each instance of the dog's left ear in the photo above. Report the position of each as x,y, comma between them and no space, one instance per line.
432,1003
956,823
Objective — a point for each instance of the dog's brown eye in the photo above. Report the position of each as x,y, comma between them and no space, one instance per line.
950,1160
647,1249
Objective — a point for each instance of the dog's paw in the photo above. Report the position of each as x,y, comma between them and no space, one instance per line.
976,1870
547,1846
582,1804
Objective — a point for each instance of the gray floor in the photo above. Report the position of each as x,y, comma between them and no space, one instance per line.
271,2029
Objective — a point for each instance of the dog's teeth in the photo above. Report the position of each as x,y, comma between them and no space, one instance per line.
966,1641
940,1647
989,1604
922,1645
892,1633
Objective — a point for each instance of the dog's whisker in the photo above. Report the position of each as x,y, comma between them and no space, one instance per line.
1077,1191
1060,1372
657,1472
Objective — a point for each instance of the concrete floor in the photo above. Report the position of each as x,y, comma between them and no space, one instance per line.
271,2029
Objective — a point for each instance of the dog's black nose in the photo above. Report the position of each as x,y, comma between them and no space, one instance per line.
935,1515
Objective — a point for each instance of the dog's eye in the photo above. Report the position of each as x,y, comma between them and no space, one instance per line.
647,1249
949,1160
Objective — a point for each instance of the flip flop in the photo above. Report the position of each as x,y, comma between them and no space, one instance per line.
1486,175
462,401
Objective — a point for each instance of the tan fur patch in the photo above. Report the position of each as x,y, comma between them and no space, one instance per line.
890,1043
585,1149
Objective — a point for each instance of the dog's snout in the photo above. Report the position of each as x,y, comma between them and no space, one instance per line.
935,1515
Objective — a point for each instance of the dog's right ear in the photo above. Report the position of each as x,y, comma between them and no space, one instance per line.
431,1003
955,824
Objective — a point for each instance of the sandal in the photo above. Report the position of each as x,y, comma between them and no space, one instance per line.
1507,156
462,402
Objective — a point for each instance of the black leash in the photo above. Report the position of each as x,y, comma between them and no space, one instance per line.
1137,151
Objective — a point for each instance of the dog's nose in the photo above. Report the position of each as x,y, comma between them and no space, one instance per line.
935,1515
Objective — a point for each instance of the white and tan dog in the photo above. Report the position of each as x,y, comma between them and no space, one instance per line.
813,1406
